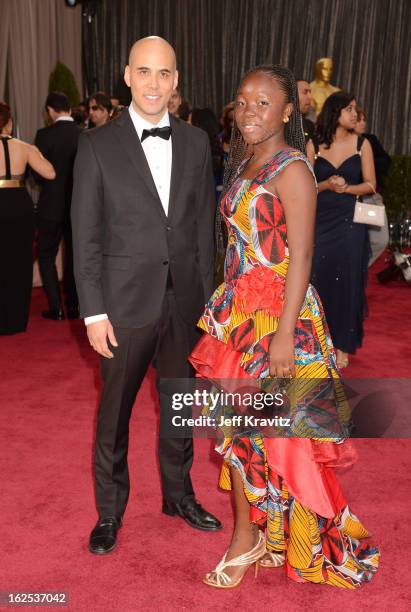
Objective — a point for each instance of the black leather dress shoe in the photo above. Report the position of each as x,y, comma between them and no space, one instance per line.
56,315
193,513
103,538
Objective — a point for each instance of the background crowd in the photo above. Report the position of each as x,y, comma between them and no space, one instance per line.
344,249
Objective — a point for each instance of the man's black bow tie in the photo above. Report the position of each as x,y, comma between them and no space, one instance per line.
163,132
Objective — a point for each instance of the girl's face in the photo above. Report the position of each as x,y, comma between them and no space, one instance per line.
348,116
260,108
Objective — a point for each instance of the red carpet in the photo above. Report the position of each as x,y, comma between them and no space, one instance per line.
49,391
386,350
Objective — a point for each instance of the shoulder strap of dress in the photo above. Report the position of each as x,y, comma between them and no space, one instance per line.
360,140
280,161
6,157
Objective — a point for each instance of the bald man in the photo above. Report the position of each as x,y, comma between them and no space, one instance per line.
143,215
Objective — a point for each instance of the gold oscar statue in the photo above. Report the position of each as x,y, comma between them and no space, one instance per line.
320,87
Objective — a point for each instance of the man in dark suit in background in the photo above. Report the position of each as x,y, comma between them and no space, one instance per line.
304,99
58,143
143,217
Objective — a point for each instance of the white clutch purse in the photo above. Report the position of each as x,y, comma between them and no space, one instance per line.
370,210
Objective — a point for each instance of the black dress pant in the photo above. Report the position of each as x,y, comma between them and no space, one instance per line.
50,234
167,342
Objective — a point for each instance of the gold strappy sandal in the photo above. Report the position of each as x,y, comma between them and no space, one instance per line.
272,559
218,577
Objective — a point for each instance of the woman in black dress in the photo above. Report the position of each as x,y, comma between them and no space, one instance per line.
16,225
344,168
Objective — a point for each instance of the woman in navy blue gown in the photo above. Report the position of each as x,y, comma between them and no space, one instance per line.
344,168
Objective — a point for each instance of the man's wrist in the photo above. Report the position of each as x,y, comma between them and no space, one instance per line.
95,318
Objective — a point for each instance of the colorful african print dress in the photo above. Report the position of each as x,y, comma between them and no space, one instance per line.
289,480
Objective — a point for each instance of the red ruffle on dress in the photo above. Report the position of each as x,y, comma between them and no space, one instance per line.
289,481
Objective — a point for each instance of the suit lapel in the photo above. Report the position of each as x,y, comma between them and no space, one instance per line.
178,162
131,144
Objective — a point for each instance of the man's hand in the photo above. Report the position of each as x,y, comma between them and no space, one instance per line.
98,333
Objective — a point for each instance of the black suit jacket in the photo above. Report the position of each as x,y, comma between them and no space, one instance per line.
124,244
58,143
309,129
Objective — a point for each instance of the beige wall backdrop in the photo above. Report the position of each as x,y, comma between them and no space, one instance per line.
34,35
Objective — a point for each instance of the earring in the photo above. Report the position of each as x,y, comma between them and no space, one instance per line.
286,119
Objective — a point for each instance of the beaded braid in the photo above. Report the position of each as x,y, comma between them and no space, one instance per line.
237,153
293,133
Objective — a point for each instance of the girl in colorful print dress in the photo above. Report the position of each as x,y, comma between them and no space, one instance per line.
266,321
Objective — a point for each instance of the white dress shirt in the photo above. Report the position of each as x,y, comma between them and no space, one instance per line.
64,118
158,152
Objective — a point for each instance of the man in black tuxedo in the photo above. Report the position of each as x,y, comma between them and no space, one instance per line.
58,143
304,99
143,215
